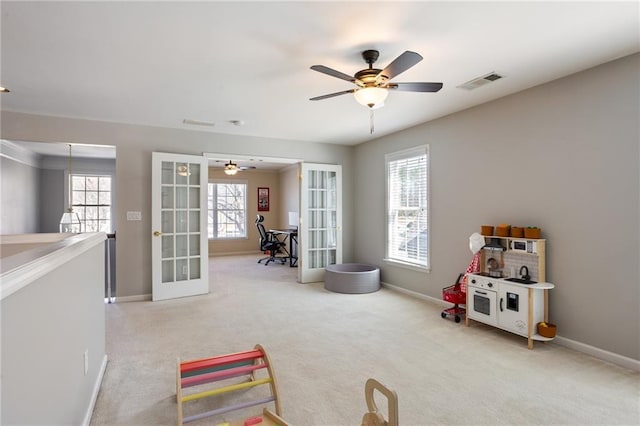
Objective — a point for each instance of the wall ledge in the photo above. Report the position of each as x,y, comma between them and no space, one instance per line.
23,268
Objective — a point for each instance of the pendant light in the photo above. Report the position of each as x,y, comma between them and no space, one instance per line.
70,221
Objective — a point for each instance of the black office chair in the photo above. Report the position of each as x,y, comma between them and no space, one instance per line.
269,242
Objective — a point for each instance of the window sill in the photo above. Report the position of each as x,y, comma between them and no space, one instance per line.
407,265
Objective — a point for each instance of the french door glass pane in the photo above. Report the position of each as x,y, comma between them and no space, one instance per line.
181,197
194,221
167,271
167,222
194,198
182,269
181,221
194,177
167,197
182,245
167,173
194,245
167,246
194,268
182,172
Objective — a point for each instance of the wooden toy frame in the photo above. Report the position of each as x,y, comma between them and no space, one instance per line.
373,417
210,370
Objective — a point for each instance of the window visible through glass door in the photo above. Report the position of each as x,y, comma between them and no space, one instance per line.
227,205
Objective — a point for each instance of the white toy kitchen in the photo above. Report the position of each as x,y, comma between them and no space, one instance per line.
510,291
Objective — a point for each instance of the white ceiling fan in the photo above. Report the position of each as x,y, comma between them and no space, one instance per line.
232,168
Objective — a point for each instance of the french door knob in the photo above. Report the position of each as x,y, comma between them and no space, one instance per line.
157,233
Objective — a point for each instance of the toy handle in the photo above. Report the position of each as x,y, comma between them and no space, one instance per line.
392,399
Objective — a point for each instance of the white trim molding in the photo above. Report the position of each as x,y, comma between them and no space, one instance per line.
24,268
96,391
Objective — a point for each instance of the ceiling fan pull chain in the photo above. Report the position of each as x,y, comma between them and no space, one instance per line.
371,121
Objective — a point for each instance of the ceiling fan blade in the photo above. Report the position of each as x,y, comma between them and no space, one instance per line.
333,73
331,95
415,87
400,64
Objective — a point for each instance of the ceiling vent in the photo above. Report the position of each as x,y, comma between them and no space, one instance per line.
198,122
480,81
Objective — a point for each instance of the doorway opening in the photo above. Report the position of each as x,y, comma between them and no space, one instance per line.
272,189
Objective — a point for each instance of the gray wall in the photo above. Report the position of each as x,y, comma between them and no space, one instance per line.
33,193
46,328
52,199
563,156
134,145
290,187
54,191
19,197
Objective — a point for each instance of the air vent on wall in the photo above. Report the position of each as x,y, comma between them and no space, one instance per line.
480,81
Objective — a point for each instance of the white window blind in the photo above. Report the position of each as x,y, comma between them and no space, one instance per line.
227,210
407,206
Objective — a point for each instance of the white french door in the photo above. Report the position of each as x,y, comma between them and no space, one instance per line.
179,226
320,229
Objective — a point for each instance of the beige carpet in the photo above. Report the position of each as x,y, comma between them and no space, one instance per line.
325,345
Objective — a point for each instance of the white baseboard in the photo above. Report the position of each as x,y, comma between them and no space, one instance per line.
611,357
137,298
96,390
602,354
415,294
235,253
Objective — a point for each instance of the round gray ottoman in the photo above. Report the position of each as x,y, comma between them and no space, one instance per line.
352,278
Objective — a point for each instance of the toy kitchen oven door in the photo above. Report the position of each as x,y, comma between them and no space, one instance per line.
481,299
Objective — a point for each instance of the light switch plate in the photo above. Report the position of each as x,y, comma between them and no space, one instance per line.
134,215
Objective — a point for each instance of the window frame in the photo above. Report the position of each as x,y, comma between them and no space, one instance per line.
83,220
211,235
389,257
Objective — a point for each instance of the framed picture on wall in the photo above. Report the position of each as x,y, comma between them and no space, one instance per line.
263,199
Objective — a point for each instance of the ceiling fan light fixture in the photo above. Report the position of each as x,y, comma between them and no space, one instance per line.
371,97
230,168
183,170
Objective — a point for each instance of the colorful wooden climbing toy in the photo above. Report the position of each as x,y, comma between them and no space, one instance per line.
206,371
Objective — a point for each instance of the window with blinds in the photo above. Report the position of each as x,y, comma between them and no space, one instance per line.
407,206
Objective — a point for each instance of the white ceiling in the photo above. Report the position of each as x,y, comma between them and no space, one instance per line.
158,63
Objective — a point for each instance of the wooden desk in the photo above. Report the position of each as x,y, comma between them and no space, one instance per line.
292,236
